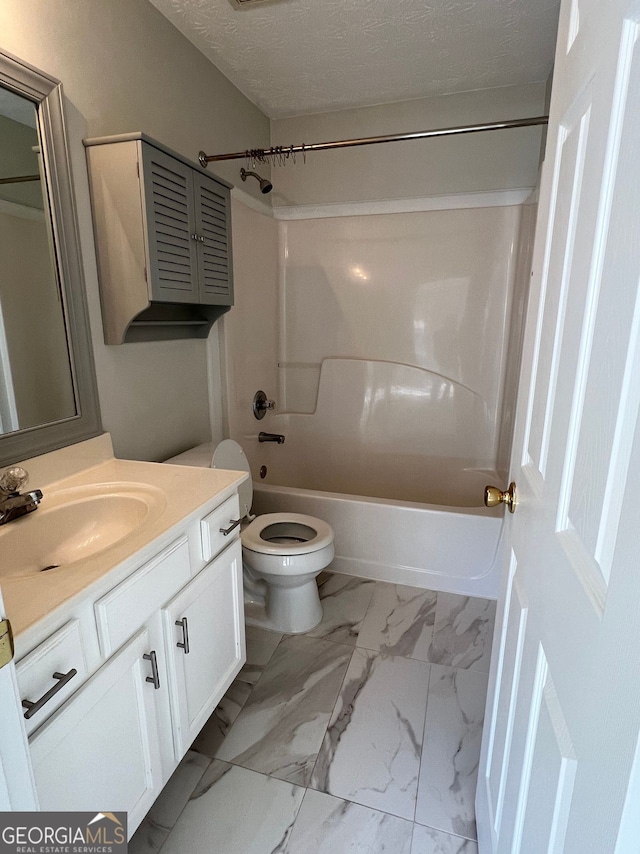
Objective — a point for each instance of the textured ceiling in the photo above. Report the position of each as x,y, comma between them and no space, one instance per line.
304,56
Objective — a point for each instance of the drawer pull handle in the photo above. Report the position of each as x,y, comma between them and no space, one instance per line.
184,644
154,678
234,524
63,679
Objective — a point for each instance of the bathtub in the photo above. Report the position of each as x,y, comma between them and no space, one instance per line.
434,546
438,547
395,458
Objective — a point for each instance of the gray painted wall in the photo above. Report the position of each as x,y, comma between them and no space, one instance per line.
124,67
499,160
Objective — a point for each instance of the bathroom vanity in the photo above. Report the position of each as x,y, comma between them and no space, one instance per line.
124,587
128,623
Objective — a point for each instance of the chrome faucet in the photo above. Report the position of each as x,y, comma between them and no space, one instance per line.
13,503
271,437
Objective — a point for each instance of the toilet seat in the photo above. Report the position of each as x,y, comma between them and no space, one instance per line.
252,536
279,566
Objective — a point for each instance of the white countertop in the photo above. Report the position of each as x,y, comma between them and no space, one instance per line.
189,491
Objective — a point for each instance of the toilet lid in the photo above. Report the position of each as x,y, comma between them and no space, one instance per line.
229,455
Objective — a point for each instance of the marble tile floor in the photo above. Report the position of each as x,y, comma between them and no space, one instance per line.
362,736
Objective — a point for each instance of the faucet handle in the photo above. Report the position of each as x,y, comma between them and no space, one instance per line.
13,480
261,404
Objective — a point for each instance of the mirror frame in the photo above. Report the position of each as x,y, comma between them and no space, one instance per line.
46,93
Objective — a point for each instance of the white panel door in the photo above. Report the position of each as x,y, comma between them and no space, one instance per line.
562,728
17,791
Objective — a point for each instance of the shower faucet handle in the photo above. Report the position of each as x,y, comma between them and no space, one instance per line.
262,404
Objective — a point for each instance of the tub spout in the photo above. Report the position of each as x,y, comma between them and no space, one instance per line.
271,437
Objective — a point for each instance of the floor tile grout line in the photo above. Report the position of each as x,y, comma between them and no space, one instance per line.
374,652
446,832
439,829
350,649
261,773
364,806
424,735
328,794
311,788
295,821
264,667
336,643
199,780
391,655
333,708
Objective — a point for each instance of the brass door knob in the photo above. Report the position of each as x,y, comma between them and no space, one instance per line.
494,496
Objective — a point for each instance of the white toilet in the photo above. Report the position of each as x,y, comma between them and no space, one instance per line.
282,554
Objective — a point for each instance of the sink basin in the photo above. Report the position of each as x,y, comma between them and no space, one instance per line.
74,524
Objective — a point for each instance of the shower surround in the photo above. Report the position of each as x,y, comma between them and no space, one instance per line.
388,341
424,300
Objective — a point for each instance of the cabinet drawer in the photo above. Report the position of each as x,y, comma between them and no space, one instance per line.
60,654
125,608
213,540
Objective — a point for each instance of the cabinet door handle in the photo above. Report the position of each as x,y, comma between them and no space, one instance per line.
154,678
63,679
234,524
184,644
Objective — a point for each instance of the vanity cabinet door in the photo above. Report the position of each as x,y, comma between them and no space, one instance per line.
213,226
171,227
205,646
101,750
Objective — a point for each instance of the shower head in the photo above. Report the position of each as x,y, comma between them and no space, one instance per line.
265,186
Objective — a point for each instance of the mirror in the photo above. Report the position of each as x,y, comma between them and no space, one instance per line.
36,384
48,395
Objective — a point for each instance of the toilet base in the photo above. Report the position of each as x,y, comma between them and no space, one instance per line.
291,610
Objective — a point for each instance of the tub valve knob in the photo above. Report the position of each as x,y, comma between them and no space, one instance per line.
262,404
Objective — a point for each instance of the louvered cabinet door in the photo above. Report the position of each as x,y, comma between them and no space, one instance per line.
169,205
213,225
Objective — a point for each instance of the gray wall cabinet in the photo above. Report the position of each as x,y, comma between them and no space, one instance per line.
163,240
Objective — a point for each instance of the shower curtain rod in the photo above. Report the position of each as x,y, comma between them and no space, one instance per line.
284,151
